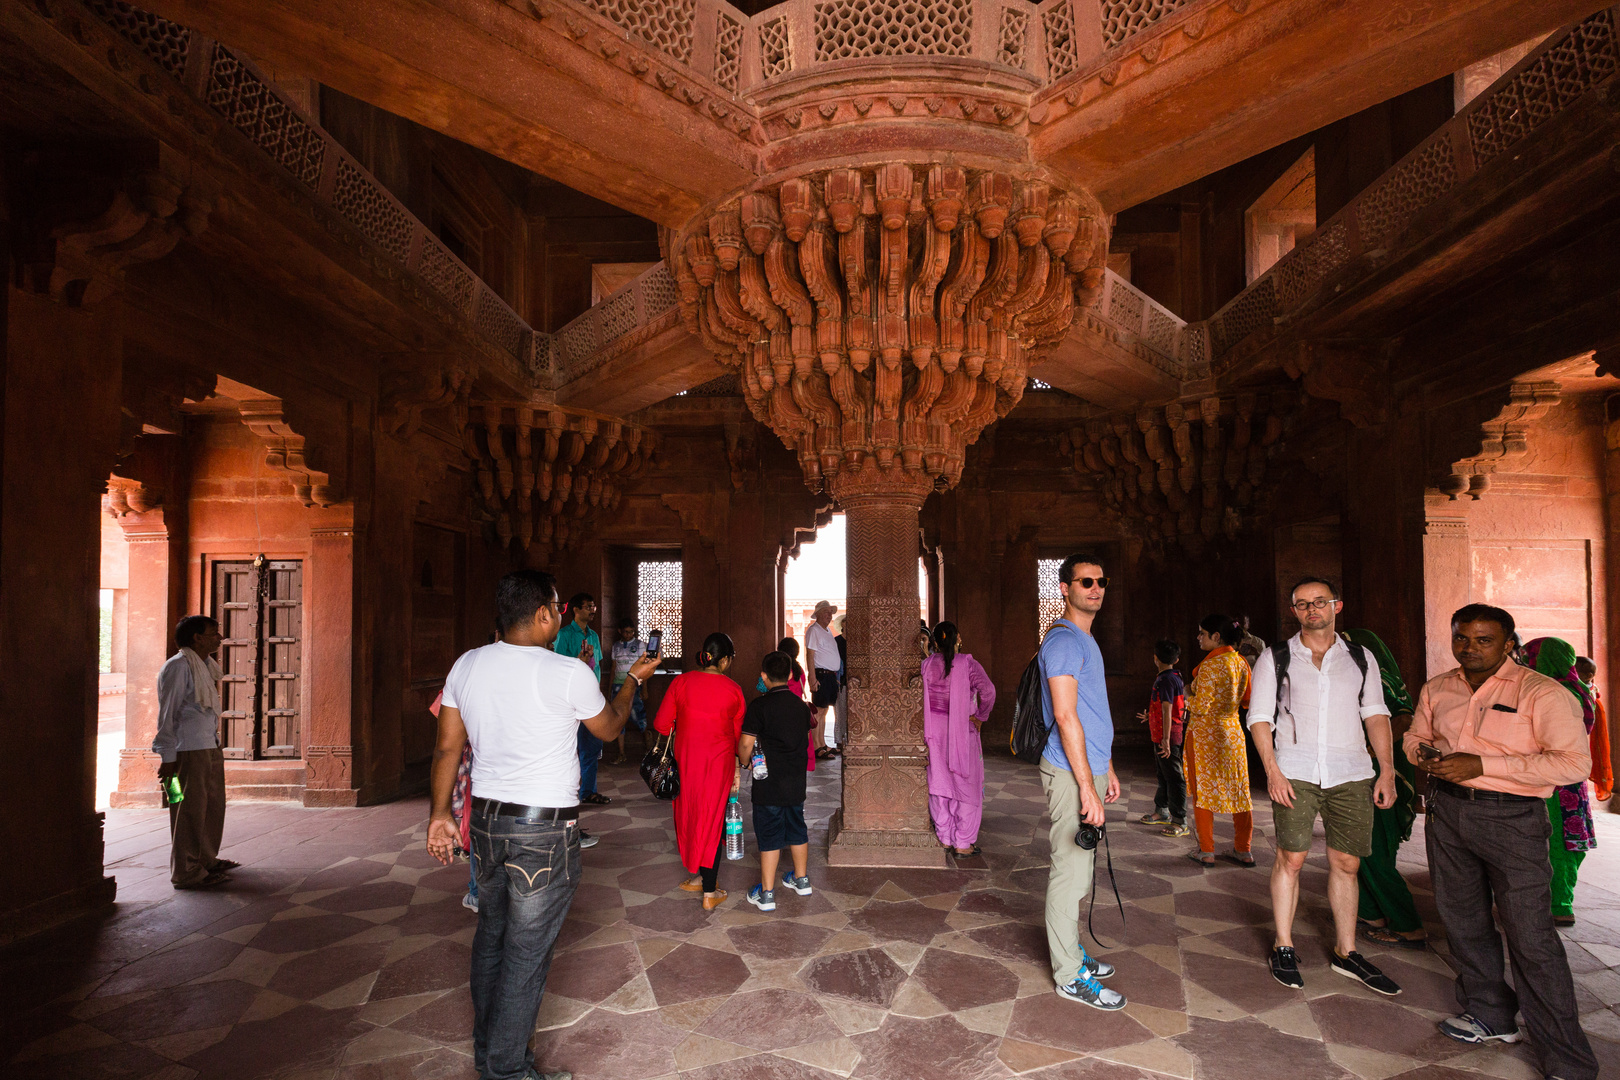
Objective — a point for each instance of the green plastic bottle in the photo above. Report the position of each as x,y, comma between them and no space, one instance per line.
173,793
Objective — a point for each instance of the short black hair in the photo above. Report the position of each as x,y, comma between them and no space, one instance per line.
777,666
1312,579
1079,558
627,623
1484,613
1166,651
580,599
520,594
187,629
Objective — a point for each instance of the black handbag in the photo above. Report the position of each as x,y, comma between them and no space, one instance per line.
658,769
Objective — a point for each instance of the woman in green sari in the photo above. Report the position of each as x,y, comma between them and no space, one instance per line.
1387,914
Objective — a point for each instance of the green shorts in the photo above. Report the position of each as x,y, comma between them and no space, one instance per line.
1347,817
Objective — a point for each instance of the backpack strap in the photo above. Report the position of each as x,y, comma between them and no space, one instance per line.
1280,656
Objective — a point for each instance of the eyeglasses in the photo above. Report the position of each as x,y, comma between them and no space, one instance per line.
1312,605
1086,582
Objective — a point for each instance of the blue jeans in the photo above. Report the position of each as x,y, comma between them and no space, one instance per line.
590,752
472,875
527,874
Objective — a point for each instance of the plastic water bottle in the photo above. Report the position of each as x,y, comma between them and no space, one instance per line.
758,764
734,841
173,793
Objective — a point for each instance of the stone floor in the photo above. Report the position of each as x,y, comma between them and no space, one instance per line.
341,950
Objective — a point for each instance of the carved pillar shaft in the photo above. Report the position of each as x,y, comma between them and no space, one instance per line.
884,820
157,559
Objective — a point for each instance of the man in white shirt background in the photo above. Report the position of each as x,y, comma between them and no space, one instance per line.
1315,704
821,652
187,741
521,706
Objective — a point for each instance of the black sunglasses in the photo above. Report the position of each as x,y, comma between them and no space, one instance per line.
1085,582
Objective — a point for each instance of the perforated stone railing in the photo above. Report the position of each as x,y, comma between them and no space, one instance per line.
713,40
239,93
629,314
1566,67
1166,341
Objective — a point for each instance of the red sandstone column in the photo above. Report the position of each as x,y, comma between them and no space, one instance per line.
157,561
884,820
59,422
330,713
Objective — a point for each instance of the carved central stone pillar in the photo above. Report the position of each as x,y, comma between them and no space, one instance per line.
879,318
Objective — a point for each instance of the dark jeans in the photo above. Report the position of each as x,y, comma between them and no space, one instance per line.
1480,852
527,874
1172,794
590,753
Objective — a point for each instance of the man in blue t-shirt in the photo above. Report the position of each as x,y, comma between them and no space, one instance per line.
1077,773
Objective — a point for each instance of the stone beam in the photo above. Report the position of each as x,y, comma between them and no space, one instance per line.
1096,362
1222,81
668,360
556,91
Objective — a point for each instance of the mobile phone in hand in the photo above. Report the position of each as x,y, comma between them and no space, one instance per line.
654,640
1429,753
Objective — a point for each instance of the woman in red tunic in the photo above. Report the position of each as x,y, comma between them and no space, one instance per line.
705,710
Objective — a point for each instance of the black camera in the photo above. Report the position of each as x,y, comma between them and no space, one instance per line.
1089,836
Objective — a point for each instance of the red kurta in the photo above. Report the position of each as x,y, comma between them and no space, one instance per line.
706,713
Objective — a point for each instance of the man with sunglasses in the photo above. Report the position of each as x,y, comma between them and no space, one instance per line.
1077,774
1316,704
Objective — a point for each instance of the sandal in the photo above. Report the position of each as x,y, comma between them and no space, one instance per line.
1202,858
823,754
1383,935
595,798
224,866
975,850
692,885
1242,858
714,899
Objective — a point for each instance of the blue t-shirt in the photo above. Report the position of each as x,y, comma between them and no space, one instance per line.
1069,650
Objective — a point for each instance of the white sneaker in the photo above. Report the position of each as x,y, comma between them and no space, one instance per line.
1466,1029
470,902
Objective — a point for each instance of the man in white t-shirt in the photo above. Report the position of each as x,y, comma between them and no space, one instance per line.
520,705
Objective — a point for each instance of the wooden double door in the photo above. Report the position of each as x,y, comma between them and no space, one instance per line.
260,608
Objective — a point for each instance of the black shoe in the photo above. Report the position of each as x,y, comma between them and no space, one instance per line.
1285,967
1355,966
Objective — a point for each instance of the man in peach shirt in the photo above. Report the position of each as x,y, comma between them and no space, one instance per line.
1495,739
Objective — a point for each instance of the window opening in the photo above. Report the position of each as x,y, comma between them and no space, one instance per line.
658,602
1046,585
1281,217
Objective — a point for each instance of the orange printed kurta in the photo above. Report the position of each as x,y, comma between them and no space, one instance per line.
1217,752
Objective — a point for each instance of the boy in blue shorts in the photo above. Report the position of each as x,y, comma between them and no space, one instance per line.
779,723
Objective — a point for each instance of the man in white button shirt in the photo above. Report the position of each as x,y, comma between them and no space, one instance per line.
1315,705
520,705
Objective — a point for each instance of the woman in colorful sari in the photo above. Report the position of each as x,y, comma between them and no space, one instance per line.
1387,913
1217,751
957,696
1570,807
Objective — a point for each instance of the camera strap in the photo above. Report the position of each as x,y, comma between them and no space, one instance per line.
1091,908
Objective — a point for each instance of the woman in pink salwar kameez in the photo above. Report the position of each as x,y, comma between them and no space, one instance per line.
957,696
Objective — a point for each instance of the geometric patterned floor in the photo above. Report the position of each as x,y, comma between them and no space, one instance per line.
341,950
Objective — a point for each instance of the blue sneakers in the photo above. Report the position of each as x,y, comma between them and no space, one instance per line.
765,901
1097,969
800,885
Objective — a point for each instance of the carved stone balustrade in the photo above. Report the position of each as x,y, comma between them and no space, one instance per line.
544,471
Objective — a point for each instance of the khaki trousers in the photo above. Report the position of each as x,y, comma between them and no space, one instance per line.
198,823
1072,869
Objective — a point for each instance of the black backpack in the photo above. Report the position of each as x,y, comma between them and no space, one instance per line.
1029,728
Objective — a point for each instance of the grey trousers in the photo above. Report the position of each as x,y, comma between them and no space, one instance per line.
197,824
1482,852
1069,882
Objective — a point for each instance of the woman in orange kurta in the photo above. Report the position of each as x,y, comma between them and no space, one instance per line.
704,709
1217,751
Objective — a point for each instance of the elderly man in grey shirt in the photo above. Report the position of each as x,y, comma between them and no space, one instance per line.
187,740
